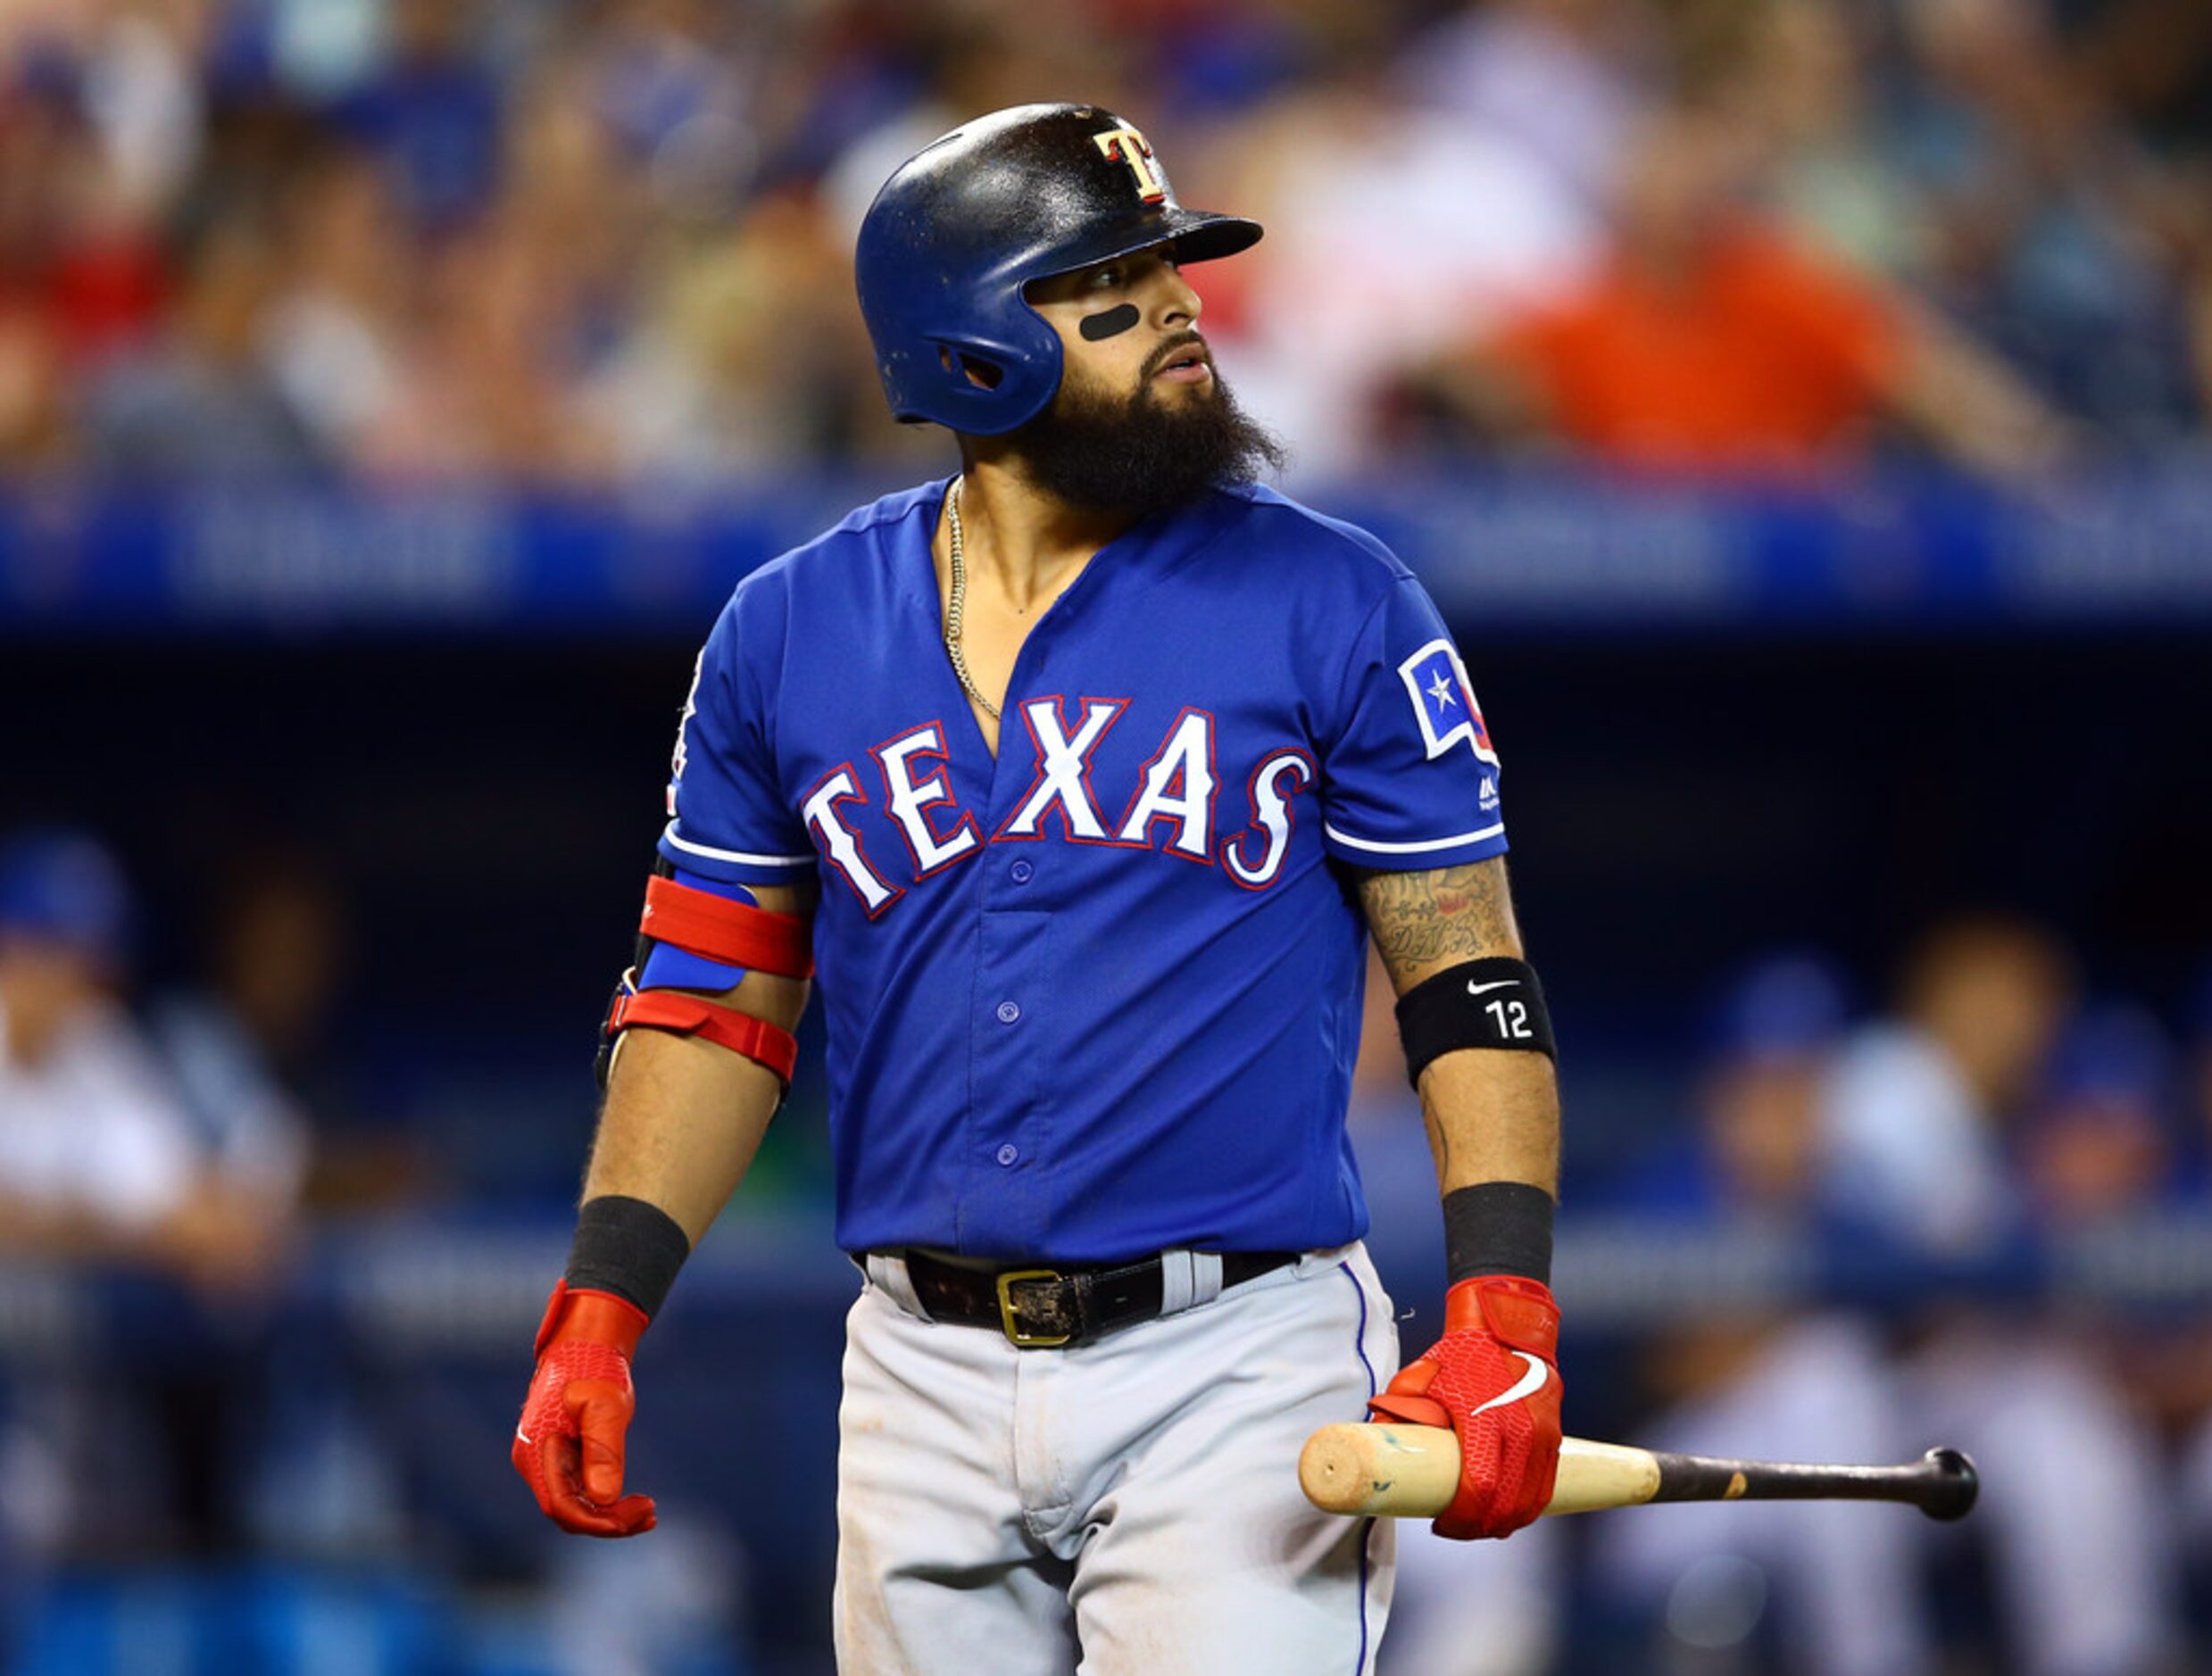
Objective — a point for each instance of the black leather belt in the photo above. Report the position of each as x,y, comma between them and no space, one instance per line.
1044,1308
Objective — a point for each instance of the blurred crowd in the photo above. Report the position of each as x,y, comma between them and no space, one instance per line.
594,243
157,1143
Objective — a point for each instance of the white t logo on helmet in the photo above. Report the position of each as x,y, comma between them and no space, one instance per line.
1124,145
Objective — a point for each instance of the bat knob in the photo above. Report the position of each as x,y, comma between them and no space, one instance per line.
1953,1484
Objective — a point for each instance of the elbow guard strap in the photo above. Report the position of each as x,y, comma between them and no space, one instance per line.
1493,1003
722,929
725,1027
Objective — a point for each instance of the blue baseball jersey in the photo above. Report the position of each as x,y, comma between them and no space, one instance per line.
1100,994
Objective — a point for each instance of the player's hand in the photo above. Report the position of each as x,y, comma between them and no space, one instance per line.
1494,1378
567,1446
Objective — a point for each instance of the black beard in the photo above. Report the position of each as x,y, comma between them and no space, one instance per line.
1138,455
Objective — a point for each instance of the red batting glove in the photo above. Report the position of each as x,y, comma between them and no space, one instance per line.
579,1408
1494,1378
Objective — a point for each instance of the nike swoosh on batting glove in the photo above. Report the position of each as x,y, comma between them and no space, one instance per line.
1494,1378
569,1444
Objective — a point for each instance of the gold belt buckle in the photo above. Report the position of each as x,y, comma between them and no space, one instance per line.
1014,1333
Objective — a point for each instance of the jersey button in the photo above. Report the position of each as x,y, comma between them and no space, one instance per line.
1008,1012
1022,872
1009,1155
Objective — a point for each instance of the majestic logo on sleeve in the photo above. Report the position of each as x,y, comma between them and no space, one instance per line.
1124,145
1443,701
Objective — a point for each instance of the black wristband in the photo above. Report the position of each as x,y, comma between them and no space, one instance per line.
627,1247
1492,1002
1498,1228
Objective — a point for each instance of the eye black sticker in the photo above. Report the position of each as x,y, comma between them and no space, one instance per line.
1111,323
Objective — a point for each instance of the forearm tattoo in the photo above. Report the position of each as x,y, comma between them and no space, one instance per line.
1447,913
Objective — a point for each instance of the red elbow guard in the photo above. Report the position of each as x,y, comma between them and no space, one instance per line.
688,1016
722,929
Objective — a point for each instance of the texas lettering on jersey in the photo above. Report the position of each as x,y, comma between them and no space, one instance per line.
1172,809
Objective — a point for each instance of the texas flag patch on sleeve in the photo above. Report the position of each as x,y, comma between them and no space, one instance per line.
1443,700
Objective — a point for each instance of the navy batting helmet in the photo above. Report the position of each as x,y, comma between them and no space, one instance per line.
969,220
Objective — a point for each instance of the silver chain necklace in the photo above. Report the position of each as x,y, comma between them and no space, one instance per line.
958,608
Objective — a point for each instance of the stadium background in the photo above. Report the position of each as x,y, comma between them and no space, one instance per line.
1799,409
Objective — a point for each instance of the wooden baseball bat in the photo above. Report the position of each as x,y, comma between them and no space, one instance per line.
1411,1472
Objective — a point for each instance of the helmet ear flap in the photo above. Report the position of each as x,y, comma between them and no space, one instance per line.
985,383
985,374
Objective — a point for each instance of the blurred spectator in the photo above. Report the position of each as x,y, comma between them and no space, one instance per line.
1754,1154
669,87
1785,1385
249,1047
1919,1107
1712,341
233,1044
96,1156
143,95
1394,229
198,405
2101,1143
104,277
334,334
432,112
101,1173
1925,1117
747,362
252,1044
1563,80
81,274
2083,1561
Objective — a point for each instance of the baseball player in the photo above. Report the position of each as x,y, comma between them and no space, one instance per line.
1082,776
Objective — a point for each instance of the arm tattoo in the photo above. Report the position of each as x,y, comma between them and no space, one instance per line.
1439,917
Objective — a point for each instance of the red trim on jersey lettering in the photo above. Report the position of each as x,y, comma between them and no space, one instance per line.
1145,773
1234,842
720,928
852,832
1005,834
756,1039
966,821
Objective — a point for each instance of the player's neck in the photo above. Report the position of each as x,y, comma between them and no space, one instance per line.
1022,540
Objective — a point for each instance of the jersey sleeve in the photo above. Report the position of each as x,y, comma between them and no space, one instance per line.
1409,776
729,820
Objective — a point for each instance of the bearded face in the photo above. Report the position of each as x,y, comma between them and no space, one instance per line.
1142,423
1141,450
